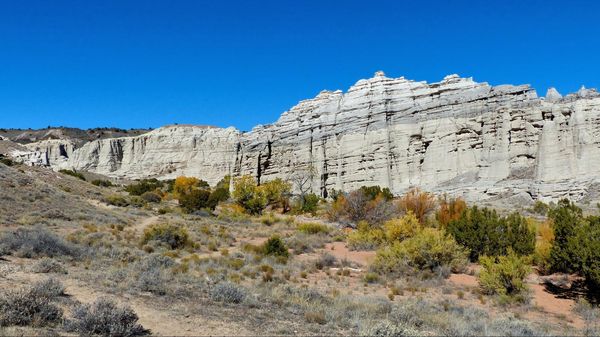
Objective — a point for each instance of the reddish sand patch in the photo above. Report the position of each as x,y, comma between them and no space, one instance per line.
551,304
463,280
341,252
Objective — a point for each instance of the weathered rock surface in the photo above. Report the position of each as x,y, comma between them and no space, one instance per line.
456,136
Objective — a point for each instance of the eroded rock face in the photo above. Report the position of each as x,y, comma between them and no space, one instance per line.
456,136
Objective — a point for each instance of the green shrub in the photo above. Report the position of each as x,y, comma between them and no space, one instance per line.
585,244
194,200
102,183
307,203
372,192
366,237
274,246
541,208
566,219
277,191
116,200
504,276
250,196
143,186
73,173
312,228
173,236
485,233
217,196
228,293
429,249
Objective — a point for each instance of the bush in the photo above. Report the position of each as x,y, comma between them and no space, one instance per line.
325,260
217,196
366,237
102,183
228,293
32,306
48,265
73,173
543,246
312,228
116,200
504,276
277,192
193,200
36,242
373,192
485,233
248,195
104,317
184,185
586,245
143,186
566,218
418,202
173,236
450,210
151,197
6,161
308,203
275,246
540,208
401,229
430,249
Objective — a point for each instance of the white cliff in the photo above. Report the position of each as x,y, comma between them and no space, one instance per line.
456,136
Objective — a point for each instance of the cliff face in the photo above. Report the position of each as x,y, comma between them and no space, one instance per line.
456,136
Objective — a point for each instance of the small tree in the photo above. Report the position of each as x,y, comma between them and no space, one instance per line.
277,191
566,218
194,200
248,195
301,179
450,210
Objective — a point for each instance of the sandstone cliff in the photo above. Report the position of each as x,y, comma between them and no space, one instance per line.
455,136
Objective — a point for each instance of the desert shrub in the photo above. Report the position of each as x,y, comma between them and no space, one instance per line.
151,197
143,186
173,236
504,275
387,329
450,210
325,260
247,194
184,185
105,317
153,274
401,229
116,200
32,306
102,183
590,316
541,208
217,196
48,265
312,228
355,203
372,192
73,173
307,203
275,246
228,293
193,200
137,201
418,202
233,212
277,191
430,249
365,237
36,242
379,210
543,246
337,209
485,233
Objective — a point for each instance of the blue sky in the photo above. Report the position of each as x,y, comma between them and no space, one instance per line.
150,63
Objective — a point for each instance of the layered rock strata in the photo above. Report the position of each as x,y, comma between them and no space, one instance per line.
456,136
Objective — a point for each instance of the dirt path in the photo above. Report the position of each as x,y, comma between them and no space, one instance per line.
140,225
161,321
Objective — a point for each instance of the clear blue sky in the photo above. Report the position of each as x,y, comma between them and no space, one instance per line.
87,63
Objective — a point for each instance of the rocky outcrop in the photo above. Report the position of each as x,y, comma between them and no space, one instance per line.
456,136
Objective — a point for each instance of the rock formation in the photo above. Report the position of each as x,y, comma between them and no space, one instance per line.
456,136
